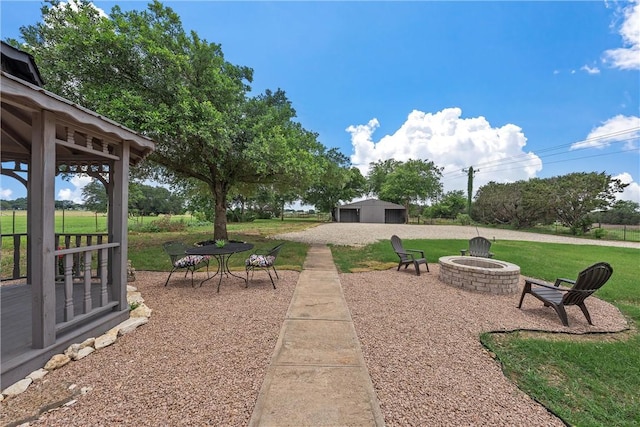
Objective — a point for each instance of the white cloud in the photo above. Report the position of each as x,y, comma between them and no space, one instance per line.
616,129
632,192
74,194
590,70
451,142
75,6
5,193
627,57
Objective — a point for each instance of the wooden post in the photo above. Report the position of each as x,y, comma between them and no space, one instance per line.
118,190
41,227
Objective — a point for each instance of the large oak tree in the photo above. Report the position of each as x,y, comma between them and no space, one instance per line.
142,69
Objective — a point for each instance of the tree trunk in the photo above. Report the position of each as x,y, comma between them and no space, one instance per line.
219,191
282,210
406,212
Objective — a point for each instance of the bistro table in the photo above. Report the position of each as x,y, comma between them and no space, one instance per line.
222,255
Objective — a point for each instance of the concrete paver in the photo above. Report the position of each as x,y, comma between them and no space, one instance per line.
317,375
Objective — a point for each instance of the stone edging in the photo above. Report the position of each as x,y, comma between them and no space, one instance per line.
137,317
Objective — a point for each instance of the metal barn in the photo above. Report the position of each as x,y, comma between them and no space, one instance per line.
371,211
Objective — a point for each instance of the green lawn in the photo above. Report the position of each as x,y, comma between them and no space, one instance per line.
146,253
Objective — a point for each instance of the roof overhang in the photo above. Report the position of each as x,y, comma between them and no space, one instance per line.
21,99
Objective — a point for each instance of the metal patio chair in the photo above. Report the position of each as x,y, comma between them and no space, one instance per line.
263,261
180,260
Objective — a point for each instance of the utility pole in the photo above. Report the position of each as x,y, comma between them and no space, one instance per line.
470,173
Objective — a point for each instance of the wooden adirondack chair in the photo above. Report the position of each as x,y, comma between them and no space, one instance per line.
407,256
478,246
589,280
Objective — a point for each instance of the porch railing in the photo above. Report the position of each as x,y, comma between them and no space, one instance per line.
18,247
81,263
85,266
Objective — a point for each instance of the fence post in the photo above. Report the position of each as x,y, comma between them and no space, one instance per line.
624,232
16,255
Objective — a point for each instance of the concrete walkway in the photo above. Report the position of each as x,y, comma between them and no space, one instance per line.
317,375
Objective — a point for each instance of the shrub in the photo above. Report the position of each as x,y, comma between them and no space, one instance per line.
599,233
463,219
162,224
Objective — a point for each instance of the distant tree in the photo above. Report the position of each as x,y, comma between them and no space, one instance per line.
574,196
264,202
568,199
378,173
66,204
19,204
151,200
408,182
622,212
144,199
95,196
338,182
519,204
448,206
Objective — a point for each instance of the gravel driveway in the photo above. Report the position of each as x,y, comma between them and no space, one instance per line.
202,357
362,234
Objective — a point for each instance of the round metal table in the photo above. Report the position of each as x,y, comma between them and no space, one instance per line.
222,255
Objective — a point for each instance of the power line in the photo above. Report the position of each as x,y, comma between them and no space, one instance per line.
580,158
525,157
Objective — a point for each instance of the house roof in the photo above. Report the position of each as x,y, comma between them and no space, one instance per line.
371,203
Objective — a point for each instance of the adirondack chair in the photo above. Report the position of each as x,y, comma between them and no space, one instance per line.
407,256
180,260
478,246
589,280
264,262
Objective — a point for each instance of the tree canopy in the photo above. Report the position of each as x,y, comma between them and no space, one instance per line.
405,182
338,182
569,199
624,212
448,206
142,69
143,199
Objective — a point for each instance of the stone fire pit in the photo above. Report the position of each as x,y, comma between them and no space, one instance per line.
480,274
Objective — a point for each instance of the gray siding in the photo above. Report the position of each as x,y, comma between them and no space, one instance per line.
372,211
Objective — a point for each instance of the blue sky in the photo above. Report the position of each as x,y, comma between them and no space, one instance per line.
514,89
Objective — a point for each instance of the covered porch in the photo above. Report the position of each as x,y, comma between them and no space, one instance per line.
57,290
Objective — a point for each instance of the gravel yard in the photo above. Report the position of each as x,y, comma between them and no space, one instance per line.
350,234
202,357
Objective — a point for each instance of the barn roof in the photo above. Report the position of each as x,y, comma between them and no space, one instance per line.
371,203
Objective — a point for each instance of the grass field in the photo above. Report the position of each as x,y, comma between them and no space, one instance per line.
587,382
